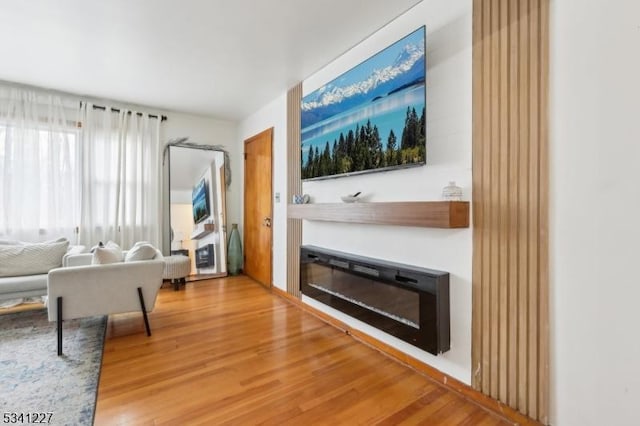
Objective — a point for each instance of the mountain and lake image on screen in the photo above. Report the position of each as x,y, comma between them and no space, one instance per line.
370,118
200,201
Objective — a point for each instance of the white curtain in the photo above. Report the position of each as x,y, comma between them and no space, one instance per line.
121,177
39,167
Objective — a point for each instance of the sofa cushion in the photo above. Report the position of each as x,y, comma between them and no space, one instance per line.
24,283
78,249
81,259
11,243
24,243
110,253
140,252
31,258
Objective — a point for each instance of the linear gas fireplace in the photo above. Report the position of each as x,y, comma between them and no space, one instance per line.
205,257
408,302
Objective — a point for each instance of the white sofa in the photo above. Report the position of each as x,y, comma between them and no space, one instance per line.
23,286
24,267
81,289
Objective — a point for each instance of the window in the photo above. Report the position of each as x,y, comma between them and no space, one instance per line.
39,182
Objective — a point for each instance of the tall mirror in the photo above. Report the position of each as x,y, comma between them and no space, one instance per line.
197,214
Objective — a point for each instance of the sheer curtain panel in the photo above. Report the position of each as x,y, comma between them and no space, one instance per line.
121,177
39,166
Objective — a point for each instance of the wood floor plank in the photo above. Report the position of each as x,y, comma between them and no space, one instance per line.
227,351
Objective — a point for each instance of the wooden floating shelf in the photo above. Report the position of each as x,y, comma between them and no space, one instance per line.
429,214
202,231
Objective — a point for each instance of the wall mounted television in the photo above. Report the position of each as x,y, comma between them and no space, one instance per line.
371,118
200,201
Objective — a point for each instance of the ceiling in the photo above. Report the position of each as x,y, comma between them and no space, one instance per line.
188,165
221,58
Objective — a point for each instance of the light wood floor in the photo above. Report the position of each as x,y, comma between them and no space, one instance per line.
228,351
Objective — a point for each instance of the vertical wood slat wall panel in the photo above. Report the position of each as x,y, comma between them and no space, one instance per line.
543,218
492,188
533,204
521,206
503,185
294,186
510,319
477,209
485,253
514,152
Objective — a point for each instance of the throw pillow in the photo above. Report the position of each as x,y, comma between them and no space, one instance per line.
96,246
140,252
57,240
31,258
110,253
76,249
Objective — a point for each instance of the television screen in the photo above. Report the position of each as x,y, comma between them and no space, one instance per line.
200,201
370,118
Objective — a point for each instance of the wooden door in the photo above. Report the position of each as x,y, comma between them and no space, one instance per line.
258,209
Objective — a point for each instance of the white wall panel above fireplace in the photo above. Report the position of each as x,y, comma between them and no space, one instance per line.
448,117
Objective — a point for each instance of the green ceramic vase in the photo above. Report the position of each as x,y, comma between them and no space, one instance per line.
234,251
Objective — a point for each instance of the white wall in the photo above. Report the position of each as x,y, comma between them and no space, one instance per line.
184,223
449,158
595,206
448,50
211,175
594,196
217,195
273,115
182,218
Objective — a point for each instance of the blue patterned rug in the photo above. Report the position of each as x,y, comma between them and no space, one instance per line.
33,379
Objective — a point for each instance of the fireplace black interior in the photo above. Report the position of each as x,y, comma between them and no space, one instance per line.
408,302
205,256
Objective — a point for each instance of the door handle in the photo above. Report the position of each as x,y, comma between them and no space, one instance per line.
267,222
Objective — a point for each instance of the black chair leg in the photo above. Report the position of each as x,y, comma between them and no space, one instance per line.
59,301
144,311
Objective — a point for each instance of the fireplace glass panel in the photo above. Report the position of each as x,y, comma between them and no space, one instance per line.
393,302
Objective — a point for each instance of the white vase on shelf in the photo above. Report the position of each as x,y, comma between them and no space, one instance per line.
452,192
